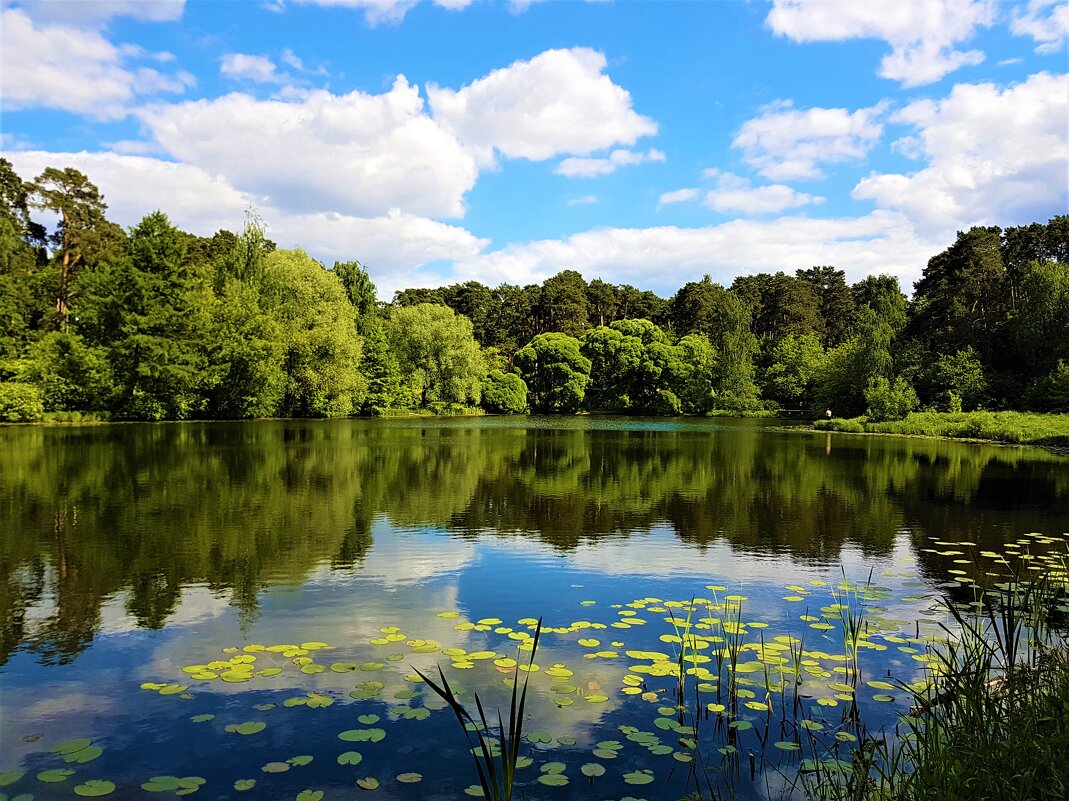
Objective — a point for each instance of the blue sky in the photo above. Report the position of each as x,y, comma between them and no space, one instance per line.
640,142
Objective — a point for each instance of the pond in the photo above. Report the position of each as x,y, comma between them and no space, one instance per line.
240,609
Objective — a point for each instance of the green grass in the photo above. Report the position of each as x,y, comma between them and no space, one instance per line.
1023,428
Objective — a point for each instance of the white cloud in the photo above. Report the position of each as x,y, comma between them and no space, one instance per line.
91,12
734,193
591,167
73,69
379,12
1046,21
995,156
787,144
584,200
561,101
245,67
392,244
678,196
923,34
355,154
662,258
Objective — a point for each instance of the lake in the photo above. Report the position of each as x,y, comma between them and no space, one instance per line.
214,604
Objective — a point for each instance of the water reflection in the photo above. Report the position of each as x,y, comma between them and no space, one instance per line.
147,511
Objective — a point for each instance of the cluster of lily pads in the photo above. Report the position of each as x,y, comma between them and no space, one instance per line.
714,681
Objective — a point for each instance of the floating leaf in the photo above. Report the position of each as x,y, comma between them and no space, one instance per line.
95,788
10,777
276,767
161,784
362,735
350,758
310,795
592,769
368,783
249,727
71,746
300,761
87,754
202,718
409,778
553,779
244,784
639,777
55,775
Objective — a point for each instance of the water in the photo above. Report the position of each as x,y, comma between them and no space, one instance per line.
131,551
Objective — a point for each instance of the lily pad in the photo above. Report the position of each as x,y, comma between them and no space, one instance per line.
247,728
300,761
350,758
161,784
592,769
55,775
639,777
244,784
368,783
553,779
95,788
71,746
409,778
362,735
10,777
310,795
87,754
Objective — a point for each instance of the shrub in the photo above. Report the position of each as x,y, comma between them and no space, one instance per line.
504,393
20,403
889,401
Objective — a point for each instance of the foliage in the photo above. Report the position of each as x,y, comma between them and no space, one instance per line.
69,375
1014,427
795,364
20,403
889,400
504,393
957,376
437,354
1051,393
556,373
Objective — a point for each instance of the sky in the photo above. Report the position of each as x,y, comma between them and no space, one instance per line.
650,143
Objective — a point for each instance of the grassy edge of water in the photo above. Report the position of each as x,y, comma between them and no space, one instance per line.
1011,428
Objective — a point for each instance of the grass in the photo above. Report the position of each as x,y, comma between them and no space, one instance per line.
1023,428
495,755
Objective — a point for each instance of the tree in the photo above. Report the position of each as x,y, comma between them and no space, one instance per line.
84,235
601,298
359,289
437,354
563,305
631,362
385,389
21,253
70,375
780,305
837,306
556,373
889,400
959,374
504,393
692,381
794,365
321,347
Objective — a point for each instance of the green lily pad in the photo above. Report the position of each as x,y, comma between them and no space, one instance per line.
300,761
639,777
95,788
71,746
350,758
592,769
55,775
244,784
249,727
368,783
409,778
10,777
787,745
554,767
161,784
276,767
368,720
87,754
202,718
310,795
362,735
553,779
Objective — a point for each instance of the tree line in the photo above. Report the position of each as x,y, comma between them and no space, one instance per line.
156,323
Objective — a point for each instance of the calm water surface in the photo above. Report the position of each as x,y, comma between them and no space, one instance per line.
129,552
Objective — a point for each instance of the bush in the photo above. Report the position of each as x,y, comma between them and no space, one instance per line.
20,403
504,393
889,401
1051,393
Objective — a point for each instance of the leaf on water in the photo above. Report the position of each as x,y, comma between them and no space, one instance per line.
276,767
409,778
639,777
310,795
71,746
362,735
55,775
244,784
202,718
592,769
553,779
95,788
300,761
247,728
10,777
368,783
87,754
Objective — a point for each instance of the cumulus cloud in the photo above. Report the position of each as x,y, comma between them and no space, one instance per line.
663,257
93,12
733,193
392,244
245,67
592,167
356,153
787,144
73,69
923,34
561,101
1046,21
678,196
994,156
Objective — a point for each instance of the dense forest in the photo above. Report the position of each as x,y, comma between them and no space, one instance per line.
158,324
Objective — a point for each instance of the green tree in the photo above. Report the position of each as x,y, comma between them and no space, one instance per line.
692,379
84,235
382,372
504,393
602,302
889,400
321,347
794,365
359,289
563,305
631,364
437,354
959,374
837,306
556,373
70,375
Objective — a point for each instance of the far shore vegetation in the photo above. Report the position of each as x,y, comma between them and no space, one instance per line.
154,323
